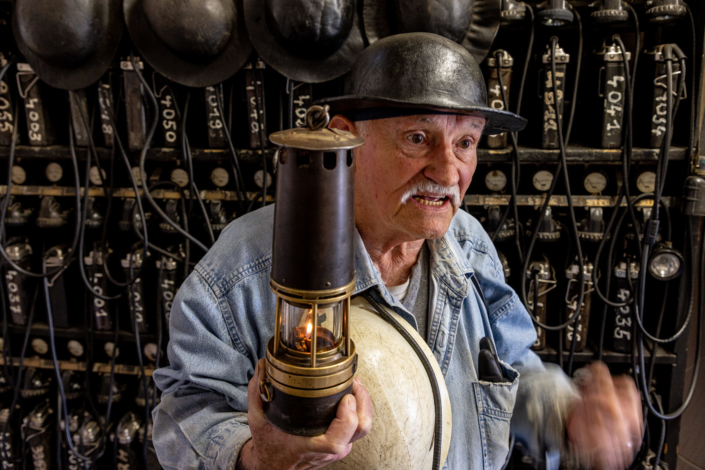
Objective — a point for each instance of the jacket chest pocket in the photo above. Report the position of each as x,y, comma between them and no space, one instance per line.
495,404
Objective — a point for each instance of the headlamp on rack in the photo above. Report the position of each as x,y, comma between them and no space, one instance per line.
665,11
609,11
666,263
554,13
512,11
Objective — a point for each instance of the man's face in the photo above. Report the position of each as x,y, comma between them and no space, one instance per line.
412,172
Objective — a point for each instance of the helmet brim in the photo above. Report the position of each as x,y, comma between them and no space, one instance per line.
175,68
76,78
498,121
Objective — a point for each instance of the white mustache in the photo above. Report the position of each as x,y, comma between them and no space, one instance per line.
429,187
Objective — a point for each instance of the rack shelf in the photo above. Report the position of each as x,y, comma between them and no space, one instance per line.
61,152
557,201
42,330
549,354
37,363
575,154
70,191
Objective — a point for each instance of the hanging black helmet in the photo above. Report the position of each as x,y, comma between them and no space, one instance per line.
196,43
305,40
69,43
471,23
419,73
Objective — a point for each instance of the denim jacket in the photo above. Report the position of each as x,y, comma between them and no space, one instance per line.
223,316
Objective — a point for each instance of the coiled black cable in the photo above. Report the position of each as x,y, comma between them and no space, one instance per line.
138,345
116,139
561,167
20,367
188,161
234,160
701,309
52,344
435,387
143,158
6,203
138,201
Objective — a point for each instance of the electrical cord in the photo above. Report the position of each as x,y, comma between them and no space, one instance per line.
138,200
234,160
143,158
20,367
3,213
82,217
140,360
188,162
693,96
552,188
516,167
435,387
624,192
262,120
159,312
57,371
180,190
6,351
698,352
560,167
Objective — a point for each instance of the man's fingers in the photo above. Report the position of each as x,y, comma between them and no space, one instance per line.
337,438
600,379
630,404
364,410
254,400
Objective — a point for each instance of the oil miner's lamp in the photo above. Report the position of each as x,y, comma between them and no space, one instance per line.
311,360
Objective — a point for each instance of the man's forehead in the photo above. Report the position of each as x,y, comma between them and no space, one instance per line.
460,120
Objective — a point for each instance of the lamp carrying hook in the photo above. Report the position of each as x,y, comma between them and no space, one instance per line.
317,117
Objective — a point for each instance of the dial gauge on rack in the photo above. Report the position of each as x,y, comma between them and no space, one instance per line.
496,180
646,182
75,348
19,176
54,172
259,179
220,177
94,176
542,180
180,177
595,182
138,175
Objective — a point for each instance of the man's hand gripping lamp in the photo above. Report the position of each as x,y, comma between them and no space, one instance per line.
311,360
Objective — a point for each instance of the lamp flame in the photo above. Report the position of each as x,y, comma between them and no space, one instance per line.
309,327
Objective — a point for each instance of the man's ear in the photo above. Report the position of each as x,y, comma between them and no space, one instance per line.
344,124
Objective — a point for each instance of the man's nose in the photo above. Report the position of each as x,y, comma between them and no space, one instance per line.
443,166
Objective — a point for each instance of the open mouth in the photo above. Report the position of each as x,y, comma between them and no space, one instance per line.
430,200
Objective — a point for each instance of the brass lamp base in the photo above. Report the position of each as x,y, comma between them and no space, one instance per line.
302,400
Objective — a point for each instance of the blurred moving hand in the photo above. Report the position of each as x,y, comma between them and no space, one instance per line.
605,425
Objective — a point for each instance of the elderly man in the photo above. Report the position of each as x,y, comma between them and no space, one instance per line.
419,101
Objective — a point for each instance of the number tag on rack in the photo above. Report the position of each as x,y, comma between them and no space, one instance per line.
39,131
167,111
105,101
134,109
255,103
79,104
7,118
216,134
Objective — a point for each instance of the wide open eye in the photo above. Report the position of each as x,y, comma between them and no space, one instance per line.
465,144
415,138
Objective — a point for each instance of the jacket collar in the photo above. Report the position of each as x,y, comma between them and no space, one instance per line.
449,264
